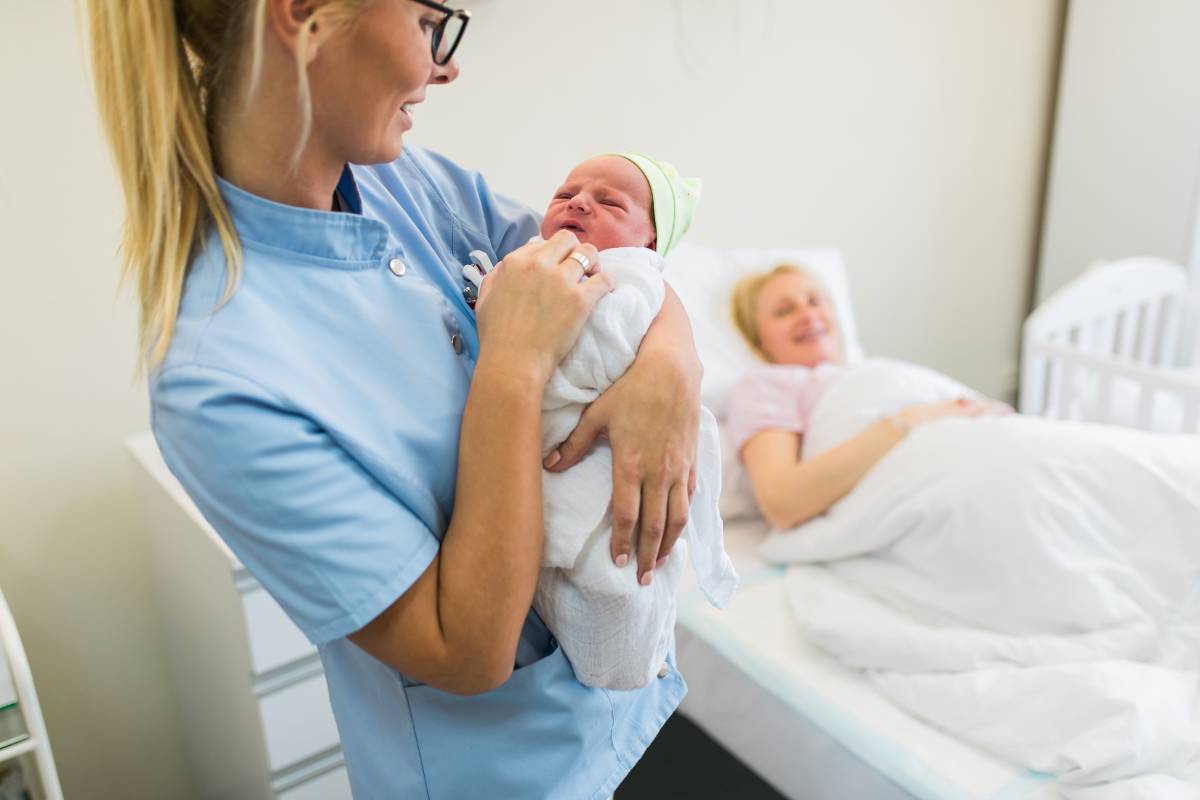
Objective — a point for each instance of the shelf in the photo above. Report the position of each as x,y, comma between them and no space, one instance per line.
16,748
12,726
14,737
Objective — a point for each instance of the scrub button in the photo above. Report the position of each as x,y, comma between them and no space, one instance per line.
664,670
457,343
397,267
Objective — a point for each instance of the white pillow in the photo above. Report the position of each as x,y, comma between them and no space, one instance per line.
704,277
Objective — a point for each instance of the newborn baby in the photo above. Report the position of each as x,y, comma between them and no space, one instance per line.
615,632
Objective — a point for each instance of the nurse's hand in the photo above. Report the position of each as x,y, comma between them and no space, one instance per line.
651,417
533,305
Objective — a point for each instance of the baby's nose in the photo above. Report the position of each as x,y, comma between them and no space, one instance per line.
581,202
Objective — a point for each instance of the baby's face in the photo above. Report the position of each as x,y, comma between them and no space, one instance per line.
605,202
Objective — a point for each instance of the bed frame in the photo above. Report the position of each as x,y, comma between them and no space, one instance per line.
1120,344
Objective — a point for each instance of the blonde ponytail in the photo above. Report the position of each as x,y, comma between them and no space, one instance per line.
150,92
164,69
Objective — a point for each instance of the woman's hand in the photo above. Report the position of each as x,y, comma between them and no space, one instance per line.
914,416
533,304
651,417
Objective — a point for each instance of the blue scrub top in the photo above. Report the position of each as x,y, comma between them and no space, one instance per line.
314,420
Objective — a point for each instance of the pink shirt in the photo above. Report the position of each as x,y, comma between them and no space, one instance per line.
777,397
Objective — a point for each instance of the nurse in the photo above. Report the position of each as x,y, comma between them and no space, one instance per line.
366,446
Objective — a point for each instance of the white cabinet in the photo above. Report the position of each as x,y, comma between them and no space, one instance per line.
274,640
297,722
330,786
249,686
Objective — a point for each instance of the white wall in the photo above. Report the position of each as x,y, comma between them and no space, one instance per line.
910,134
73,561
1125,165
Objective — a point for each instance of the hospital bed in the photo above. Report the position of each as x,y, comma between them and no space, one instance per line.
809,726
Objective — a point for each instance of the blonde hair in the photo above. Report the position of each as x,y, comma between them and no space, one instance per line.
743,302
163,71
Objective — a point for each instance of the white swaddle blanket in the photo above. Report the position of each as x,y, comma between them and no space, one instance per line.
615,632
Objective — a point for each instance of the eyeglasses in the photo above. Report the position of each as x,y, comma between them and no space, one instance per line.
449,31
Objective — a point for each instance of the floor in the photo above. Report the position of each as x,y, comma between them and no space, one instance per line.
684,762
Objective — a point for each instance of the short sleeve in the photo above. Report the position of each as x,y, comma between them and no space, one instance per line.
766,399
326,539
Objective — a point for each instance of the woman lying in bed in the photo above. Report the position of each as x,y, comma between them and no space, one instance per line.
1031,585
786,316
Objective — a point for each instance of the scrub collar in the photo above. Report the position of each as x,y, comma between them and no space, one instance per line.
345,239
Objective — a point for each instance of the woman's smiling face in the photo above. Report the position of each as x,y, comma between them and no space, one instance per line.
605,202
796,322
366,80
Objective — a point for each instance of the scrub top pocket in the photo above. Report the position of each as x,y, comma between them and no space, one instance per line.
521,732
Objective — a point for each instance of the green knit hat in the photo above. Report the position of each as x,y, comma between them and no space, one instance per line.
675,199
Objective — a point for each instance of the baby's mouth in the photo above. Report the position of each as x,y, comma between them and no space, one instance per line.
572,227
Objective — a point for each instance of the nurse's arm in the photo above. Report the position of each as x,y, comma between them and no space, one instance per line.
651,417
456,628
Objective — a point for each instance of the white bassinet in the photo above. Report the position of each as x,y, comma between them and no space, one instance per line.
1121,345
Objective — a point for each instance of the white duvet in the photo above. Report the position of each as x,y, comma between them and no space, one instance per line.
1031,586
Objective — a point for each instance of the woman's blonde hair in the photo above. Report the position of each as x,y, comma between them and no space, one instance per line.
744,301
164,71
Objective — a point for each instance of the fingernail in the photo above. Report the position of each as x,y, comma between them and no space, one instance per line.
661,561
621,560
647,577
551,460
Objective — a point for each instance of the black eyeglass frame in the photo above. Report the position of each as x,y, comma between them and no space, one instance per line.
450,13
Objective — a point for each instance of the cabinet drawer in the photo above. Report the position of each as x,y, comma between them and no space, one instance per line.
297,722
274,639
334,785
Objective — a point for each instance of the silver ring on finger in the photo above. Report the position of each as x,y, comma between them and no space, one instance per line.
584,261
